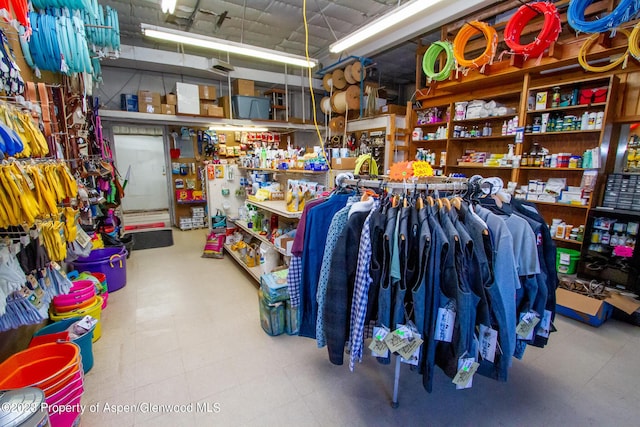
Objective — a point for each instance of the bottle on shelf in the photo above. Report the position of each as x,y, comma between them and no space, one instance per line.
555,98
504,128
534,155
584,122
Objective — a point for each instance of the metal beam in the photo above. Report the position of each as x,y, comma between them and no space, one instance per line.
146,59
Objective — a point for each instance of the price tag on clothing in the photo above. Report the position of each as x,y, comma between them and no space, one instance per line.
444,325
411,352
55,265
545,325
487,343
398,338
82,238
466,368
378,346
26,176
528,322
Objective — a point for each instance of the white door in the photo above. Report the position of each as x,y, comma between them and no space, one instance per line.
147,186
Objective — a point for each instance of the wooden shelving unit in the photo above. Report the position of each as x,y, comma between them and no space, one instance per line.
515,94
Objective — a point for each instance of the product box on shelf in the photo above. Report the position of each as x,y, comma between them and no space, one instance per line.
148,97
144,107
188,98
170,99
128,102
207,92
168,109
204,107
393,109
243,87
344,163
224,102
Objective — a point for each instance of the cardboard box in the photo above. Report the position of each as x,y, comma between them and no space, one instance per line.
148,97
207,92
204,108
225,103
170,99
393,109
583,308
168,109
188,98
144,107
215,111
344,163
243,87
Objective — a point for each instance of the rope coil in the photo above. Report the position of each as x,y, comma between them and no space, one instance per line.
548,34
469,30
431,56
634,40
625,10
582,56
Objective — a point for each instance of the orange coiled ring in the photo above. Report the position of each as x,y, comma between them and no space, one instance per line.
469,30
548,34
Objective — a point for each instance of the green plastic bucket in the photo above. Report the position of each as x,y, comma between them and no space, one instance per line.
567,260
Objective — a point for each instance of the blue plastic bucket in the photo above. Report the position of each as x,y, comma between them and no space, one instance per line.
84,342
111,261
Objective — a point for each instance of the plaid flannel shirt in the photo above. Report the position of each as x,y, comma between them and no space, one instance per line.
361,294
294,278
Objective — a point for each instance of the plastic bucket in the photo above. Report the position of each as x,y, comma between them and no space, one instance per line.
84,342
94,311
68,418
81,291
43,366
567,260
111,261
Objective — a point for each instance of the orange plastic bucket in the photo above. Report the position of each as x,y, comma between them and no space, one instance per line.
42,366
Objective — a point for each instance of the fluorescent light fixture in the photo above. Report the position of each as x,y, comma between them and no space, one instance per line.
168,6
206,42
224,128
381,24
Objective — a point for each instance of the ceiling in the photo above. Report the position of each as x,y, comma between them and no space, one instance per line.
273,24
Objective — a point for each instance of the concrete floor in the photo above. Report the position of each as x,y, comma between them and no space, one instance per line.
185,330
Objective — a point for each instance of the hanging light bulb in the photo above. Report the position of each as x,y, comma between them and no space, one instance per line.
168,6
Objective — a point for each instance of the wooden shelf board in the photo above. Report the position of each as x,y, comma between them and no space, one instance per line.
569,107
575,242
436,124
484,119
564,205
191,202
535,168
431,141
564,132
479,167
485,138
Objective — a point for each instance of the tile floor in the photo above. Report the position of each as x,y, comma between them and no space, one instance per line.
185,331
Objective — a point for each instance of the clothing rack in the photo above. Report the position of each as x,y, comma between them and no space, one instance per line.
428,183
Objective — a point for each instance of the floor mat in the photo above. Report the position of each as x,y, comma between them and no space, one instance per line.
152,239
